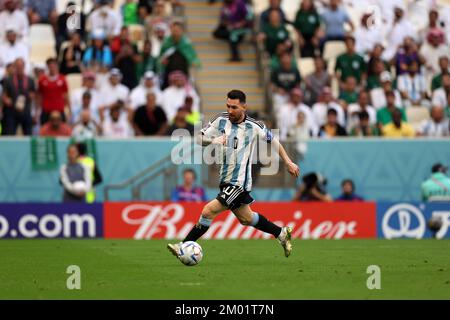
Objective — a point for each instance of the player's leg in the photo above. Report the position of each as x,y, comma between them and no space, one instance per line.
247,217
209,212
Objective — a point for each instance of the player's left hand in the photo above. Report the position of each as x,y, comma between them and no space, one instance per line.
293,169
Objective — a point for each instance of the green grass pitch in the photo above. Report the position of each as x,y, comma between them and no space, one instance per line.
231,269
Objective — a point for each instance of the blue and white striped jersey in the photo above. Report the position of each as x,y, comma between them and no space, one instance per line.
237,155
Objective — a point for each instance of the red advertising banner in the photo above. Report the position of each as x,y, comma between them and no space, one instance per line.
168,220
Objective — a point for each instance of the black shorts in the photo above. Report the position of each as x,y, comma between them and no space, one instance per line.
233,196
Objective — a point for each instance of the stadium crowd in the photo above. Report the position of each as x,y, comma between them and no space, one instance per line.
359,79
133,63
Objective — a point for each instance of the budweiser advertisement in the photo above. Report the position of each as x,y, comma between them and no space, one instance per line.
166,220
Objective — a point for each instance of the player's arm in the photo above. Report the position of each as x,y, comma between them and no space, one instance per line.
292,168
209,134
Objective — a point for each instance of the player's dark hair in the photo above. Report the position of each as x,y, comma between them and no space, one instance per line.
350,181
237,94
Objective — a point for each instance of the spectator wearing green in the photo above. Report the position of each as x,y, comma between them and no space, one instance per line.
130,13
437,79
307,23
148,62
437,187
364,128
350,63
384,115
275,33
349,92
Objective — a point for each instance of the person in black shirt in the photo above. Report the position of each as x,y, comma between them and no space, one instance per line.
180,122
150,119
71,57
69,21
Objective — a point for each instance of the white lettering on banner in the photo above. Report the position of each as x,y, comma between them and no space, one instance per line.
4,226
445,218
404,211
46,230
155,219
79,221
28,232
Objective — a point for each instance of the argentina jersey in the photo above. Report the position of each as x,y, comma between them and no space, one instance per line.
237,155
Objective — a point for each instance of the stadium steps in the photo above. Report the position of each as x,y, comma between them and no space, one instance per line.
217,75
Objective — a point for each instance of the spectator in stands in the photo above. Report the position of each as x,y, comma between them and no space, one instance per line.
55,127
375,68
368,35
447,107
75,177
17,99
85,97
180,122
398,128
130,12
192,117
437,126
433,23
42,11
307,25
138,96
70,21
126,61
444,69
53,92
98,55
406,55
113,91
286,116
437,187
412,86
334,18
150,119
174,96
118,124
188,192
384,115
106,19
331,128
275,33
317,80
157,39
362,104
349,92
233,25
72,55
86,128
378,95
326,102
14,18
124,38
433,49
440,94
363,128
348,192
284,79
300,132
400,29
265,15
177,53
351,64
13,49
147,62
159,17
313,189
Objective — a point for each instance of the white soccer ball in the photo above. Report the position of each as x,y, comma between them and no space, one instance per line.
191,253
80,186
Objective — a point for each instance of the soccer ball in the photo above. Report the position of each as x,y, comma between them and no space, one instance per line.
191,253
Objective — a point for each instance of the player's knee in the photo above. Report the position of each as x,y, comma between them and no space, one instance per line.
245,221
208,213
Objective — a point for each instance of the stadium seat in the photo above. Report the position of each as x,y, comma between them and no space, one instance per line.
290,8
136,32
333,49
260,5
305,66
416,115
74,81
40,52
41,33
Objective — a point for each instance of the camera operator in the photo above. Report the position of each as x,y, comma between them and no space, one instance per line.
313,189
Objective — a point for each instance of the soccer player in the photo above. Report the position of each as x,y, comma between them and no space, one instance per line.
237,133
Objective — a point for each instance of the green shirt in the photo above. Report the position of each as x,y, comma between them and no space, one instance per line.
437,186
147,64
307,22
373,82
130,13
350,65
184,46
349,97
436,82
384,116
275,35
